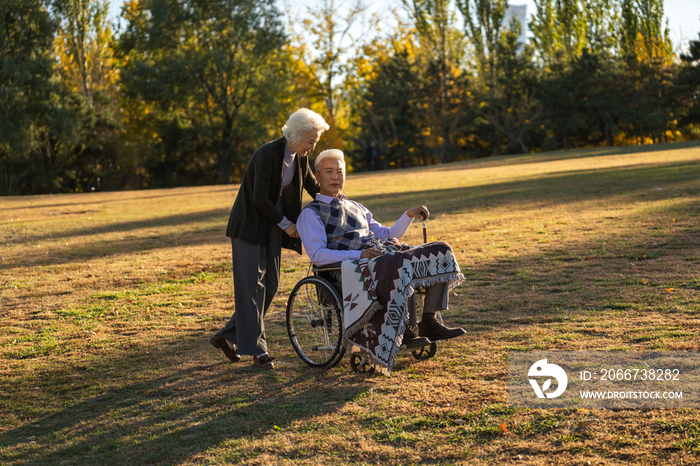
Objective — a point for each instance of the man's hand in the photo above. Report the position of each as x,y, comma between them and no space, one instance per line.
292,231
421,212
370,253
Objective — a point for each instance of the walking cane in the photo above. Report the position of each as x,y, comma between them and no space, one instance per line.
425,233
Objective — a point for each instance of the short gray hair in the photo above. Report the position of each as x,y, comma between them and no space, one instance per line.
333,154
302,122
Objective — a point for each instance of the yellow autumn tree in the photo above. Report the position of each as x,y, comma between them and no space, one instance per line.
83,47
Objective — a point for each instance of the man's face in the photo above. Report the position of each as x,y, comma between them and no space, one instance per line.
306,145
331,177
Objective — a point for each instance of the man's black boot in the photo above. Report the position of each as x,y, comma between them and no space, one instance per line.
430,328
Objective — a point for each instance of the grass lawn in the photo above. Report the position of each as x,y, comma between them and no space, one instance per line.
107,301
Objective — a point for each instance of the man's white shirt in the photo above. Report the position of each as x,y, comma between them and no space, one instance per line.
313,233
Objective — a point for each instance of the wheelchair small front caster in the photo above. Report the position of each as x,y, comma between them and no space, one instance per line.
360,364
424,354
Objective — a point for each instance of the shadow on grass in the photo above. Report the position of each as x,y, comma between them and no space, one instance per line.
94,247
172,406
572,154
151,222
539,157
158,406
89,198
168,407
616,186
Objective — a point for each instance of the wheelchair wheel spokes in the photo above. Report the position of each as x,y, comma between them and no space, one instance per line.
314,322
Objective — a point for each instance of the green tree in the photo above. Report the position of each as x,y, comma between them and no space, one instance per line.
598,100
26,87
330,31
605,99
602,19
688,84
514,106
643,35
563,32
559,95
544,37
86,68
84,46
585,102
441,50
647,51
58,141
571,27
384,99
559,28
211,69
331,41
483,23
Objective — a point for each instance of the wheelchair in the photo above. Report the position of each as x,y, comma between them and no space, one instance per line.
315,322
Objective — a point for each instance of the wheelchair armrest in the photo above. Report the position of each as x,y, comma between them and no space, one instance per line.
326,268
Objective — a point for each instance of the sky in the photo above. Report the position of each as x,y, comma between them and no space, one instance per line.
683,15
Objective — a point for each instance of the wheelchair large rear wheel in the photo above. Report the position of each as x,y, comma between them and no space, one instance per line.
315,322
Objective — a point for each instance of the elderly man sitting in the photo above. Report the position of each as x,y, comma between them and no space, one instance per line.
334,229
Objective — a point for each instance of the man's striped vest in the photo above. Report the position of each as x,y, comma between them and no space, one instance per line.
345,223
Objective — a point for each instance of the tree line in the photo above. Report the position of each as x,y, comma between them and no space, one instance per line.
185,90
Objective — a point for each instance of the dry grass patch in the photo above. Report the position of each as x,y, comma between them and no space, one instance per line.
108,299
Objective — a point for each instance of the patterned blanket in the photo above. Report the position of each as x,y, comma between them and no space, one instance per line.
376,293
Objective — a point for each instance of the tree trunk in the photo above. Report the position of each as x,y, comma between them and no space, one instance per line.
446,156
226,152
6,179
608,135
224,166
565,136
522,146
519,140
494,134
492,116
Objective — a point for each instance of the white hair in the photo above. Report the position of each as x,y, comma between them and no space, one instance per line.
301,123
333,154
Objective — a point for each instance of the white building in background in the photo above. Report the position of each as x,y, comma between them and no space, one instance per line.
519,12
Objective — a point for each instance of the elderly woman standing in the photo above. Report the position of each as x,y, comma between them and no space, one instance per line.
260,224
